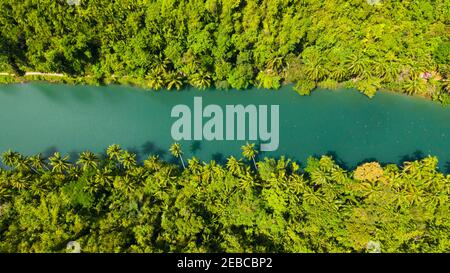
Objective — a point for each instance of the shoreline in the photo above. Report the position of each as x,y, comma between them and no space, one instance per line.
89,80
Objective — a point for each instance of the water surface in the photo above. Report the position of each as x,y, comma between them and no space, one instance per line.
390,128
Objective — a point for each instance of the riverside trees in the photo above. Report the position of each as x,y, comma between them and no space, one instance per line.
222,43
113,204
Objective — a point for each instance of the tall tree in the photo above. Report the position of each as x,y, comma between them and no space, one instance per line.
175,150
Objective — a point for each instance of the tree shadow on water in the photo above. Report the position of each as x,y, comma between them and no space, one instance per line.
195,146
149,148
49,151
73,156
341,163
447,167
417,155
219,158
135,150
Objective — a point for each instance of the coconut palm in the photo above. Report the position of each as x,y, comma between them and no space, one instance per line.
87,160
37,162
249,152
312,197
155,81
200,80
234,165
23,163
338,73
415,85
161,62
194,165
128,160
174,80
9,158
59,163
320,177
175,150
357,63
103,177
446,85
339,175
275,63
314,68
153,163
114,152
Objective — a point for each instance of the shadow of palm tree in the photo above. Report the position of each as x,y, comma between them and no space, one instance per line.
447,167
219,158
417,155
49,151
148,148
135,151
195,146
337,159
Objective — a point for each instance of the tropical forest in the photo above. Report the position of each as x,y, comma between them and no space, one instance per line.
367,44
91,160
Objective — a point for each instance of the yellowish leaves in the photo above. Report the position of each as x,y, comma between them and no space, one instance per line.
371,172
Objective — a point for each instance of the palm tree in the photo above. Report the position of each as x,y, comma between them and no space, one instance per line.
201,80
87,160
23,164
59,163
312,197
415,85
446,85
174,80
9,158
155,81
338,73
320,177
126,184
357,63
103,177
114,151
38,163
249,152
175,150
339,175
234,165
314,68
275,63
161,62
153,163
128,160
194,165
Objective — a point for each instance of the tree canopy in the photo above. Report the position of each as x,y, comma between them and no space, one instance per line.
233,43
111,203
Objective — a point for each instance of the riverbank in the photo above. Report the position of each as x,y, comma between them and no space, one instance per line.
113,204
7,78
400,46
68,118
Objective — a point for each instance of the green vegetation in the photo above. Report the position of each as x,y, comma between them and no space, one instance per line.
113,204
397,45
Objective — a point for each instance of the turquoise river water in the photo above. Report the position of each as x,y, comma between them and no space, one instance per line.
390,128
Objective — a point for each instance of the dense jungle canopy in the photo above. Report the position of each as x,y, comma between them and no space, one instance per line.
112,203
397,45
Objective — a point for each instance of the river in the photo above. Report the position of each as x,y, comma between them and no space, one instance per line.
390,128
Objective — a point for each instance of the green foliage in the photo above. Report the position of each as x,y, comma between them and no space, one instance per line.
442,53
118,205
304,87
169,44
368,86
